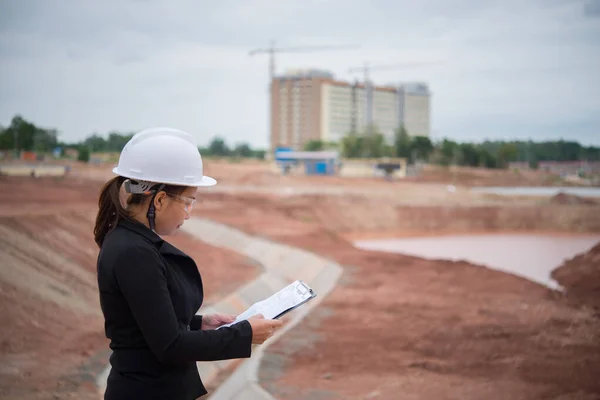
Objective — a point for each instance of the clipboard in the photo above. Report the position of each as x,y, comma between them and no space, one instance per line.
280,303
309,290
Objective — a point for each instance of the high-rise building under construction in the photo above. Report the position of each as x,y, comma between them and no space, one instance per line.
311,105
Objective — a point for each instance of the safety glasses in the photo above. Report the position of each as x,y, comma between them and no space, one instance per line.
188,202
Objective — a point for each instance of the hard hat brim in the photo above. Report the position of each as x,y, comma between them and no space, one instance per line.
208,181
205,181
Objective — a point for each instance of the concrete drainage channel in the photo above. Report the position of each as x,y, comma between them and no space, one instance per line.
282,265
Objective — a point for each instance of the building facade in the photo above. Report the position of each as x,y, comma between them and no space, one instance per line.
414,108
311,105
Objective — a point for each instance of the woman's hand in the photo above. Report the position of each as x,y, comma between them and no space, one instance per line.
214,321
262,328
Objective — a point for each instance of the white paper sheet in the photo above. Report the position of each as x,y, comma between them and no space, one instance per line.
289,297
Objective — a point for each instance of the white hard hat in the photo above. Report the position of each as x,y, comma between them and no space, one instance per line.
163,155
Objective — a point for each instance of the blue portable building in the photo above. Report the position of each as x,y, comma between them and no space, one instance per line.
315,162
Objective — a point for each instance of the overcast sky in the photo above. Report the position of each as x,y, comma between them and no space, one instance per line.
499,69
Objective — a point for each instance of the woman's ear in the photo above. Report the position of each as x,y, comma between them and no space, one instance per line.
159,200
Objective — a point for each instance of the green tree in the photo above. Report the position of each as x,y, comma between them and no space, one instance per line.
116,141
374,146
260,154
24,135
421,147
19,135
45,140
95,143
84,153
469,155
242,150
507,152
487,159
352,145
218,147
314,145
402,143
448,151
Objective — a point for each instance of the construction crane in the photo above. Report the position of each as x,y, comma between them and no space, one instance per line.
365,70
305,49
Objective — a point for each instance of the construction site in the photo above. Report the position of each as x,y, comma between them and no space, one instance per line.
386,325
410,164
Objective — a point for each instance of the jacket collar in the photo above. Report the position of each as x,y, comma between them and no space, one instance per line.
142,230
163,246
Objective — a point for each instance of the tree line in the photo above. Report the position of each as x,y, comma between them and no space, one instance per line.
25,135
489,154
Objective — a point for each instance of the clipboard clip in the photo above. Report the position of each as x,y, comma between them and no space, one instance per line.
306,287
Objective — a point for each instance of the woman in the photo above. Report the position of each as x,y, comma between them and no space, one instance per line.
150,290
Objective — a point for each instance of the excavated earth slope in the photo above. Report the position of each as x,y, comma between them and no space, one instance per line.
580,277
396,326
52,342
403,327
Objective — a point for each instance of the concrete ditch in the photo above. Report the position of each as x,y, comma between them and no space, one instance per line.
282,265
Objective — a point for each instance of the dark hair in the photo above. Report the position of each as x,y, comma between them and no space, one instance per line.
110,210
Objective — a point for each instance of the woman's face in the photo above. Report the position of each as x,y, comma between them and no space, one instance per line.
172,210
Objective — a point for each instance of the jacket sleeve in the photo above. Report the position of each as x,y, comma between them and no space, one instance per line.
141,277
196,323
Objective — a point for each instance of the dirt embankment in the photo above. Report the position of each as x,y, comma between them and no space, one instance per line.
424,329
564,198
402,327
52,342
363,216
470,176
50,318
395,325
263,173
542,218
580,278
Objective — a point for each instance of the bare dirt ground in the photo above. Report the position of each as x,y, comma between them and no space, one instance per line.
580,277
255,172
260,172
396,327
399,327
52,342
470,176
403,327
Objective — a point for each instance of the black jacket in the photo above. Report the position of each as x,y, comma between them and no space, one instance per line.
149,294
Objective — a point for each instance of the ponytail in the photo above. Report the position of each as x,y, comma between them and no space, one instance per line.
110,211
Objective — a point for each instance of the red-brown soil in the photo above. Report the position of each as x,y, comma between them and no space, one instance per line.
395,327
52,342
402,327
564,198
470,176
580,278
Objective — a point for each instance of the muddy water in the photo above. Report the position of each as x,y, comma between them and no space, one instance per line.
532,256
